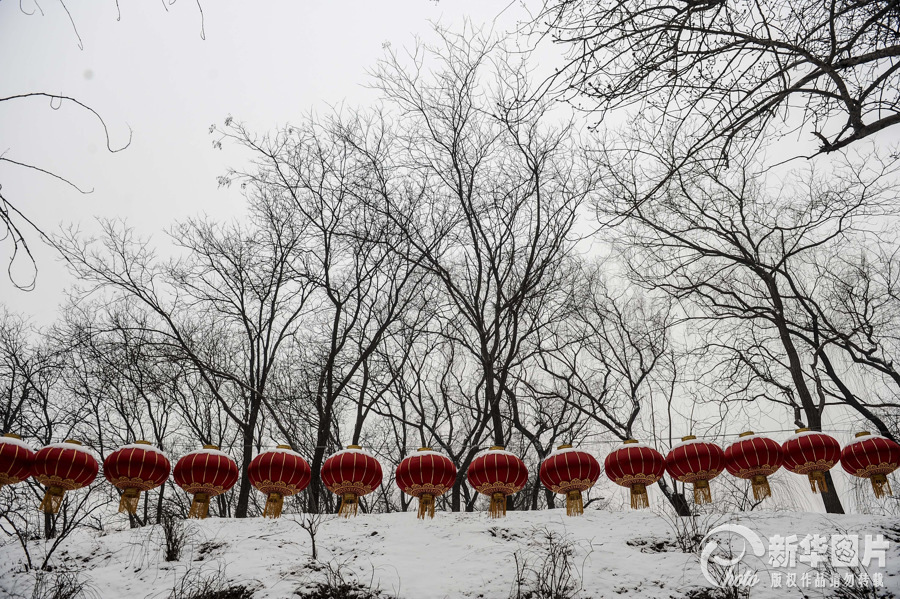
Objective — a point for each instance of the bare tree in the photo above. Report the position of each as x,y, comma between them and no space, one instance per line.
224,310
493,189
735,250
719,72
353,259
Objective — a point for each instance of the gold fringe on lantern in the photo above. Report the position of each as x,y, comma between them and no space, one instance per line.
349,505
129,501
574,503
52,500
498,505
199,506
426,505
817,478
761,488
702,494
274,505
881,485
639,497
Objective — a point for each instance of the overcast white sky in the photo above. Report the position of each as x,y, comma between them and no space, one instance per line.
265,63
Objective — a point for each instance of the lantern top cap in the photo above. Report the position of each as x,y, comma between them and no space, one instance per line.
630,441
746,434
354,447
862,434
498,447
142,442
216,447
283,446
424,449
565,446
13,436
802,430
72,441
688,438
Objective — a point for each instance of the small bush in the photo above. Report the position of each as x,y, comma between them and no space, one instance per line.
546,571
212,585
340,583
175,535
61,584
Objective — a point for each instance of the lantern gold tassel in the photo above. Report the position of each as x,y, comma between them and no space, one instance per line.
817,478
574,503
639,497
274,505
761,488
881,485
349,505
498,505
199,506
426,505
702,494
129,500
52,500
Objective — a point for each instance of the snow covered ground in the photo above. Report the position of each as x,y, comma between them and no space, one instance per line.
614,554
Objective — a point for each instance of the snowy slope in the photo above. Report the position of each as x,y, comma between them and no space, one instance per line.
616,554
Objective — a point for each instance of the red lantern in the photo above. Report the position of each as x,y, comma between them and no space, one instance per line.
135,468
279,473
16,459
351,473
204,474
755,458
497,473
569,472
811,453
426,475
696,462
63,467
873,457
635,466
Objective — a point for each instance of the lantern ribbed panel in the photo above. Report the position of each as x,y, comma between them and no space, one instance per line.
873,457
426,472
63,467
66,466
635,465
280,471
497,471
754,458
872,454
207,471
753,455
569,470
811,453
425,475
16,460
695,460
351,471
141,467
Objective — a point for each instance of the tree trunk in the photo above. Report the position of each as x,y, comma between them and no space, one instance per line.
679,503
159,503
813,416
493,401
49,528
